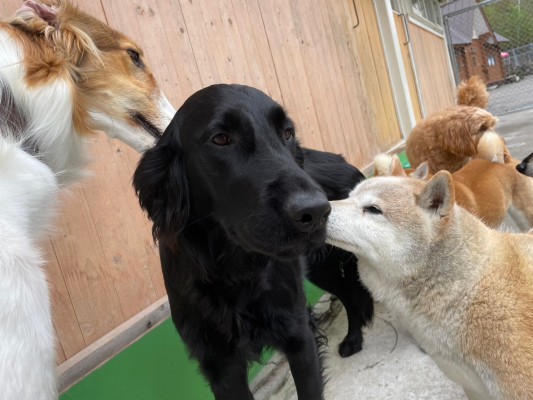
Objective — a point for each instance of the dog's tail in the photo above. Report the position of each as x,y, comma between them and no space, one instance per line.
473,92
492,147
382,163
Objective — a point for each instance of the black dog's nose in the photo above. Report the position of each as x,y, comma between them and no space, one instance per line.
521,167
308,212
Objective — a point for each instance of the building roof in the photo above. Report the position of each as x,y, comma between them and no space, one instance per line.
466,26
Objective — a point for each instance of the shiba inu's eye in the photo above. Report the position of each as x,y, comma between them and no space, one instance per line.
135,57
372,210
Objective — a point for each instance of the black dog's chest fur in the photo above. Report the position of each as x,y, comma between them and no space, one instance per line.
246,299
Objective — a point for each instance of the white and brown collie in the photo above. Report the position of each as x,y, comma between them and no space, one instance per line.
63,74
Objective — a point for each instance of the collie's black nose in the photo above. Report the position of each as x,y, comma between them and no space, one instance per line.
521,167
308,212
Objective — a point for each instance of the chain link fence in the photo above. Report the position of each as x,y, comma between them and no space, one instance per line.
493,39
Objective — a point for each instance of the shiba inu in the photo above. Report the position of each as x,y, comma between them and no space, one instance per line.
463,290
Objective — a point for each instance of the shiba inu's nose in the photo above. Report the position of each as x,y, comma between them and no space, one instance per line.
308,212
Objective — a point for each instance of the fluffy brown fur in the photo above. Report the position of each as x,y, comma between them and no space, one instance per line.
447,139
473,93
486,189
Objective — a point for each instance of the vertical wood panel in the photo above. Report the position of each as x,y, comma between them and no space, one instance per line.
324,84
365,38
69,335
221,26
351,61
180,50
391,130
85,269
436,85
256,26
290,69
116,214
200,43
407,63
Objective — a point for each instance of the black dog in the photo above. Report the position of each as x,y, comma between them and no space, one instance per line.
237,219
331,268
526,166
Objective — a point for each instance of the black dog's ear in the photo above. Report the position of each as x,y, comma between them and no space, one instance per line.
160,182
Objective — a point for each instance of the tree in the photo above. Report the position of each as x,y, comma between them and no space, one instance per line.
512,19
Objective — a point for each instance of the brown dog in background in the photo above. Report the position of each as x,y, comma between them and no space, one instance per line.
489,190
447,139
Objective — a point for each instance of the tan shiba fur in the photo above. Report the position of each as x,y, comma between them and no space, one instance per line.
489,190
463,290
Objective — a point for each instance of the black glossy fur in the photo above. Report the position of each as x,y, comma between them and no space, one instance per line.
331,268
237,220
526,166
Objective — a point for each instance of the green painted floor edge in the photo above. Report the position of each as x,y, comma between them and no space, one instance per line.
156,367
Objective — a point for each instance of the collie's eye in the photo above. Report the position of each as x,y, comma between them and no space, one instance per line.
135,57
288,134
221,139
372,210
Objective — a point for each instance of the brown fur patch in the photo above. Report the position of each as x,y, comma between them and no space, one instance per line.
447,139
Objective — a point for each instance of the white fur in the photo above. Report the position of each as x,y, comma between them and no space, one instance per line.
48,110
28,196
27,203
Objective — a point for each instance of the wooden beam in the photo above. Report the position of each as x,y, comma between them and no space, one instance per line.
78,366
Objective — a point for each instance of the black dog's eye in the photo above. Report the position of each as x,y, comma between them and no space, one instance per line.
221,139
135,57
372,210
288,133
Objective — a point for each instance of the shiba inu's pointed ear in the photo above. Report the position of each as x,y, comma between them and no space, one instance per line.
395,167
421,172
438,195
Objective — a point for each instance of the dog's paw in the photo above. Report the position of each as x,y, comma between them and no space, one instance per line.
349,347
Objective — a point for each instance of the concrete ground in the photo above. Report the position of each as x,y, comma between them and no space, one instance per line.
517,129
391,365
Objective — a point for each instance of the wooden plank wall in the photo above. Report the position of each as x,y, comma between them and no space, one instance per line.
404,39
432,66
331,77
